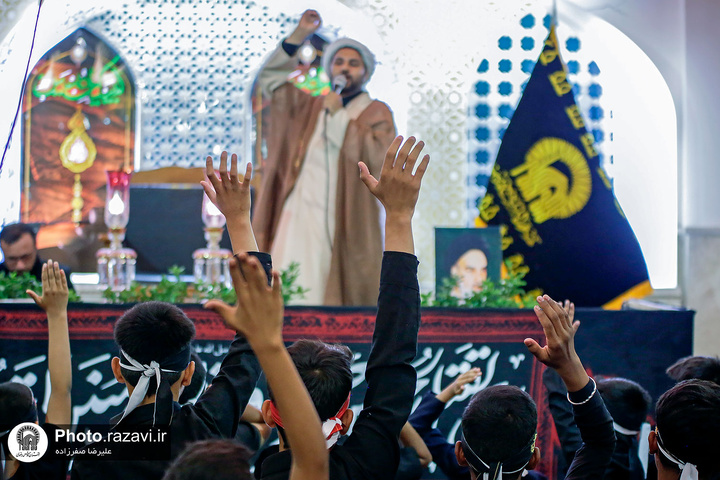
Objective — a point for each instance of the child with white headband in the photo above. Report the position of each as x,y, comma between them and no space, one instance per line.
154,360
499,425
685,441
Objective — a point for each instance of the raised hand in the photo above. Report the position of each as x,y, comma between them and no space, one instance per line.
559,352
259,311
229,192
54,299
308,24
398,189
231,195
458,385
259,316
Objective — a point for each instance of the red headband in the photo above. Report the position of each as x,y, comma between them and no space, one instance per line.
275,413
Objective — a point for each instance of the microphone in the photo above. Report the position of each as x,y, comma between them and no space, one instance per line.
339,84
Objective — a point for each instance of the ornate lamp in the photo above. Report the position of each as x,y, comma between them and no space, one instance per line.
116,265
77,154
211,264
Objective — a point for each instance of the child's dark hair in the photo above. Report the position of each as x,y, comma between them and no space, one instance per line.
211,460
325,371
688,421
627,401
197,382
700,367
499,423
153,331
17,405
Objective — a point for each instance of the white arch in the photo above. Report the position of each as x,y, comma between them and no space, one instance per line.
644,144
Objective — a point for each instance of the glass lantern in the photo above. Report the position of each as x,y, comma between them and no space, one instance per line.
212,263
116,265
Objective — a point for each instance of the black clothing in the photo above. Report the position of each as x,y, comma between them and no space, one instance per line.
562,414
215,414
594,427
624,465
443,453
409,467
36,271
248,435
597,433
372,450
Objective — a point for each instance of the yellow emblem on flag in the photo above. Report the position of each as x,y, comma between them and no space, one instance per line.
549,192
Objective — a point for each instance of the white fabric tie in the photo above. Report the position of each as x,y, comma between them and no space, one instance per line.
2,454
140,391
644,446
623,430
327,428
688,471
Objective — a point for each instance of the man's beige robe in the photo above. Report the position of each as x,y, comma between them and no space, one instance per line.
354,271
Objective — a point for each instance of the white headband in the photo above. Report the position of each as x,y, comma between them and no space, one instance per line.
688,470
141,389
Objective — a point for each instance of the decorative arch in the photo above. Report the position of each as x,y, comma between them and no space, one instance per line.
78,122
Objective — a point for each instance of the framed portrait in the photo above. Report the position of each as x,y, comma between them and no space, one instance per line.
472,255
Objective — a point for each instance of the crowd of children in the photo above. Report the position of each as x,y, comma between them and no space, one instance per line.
599,422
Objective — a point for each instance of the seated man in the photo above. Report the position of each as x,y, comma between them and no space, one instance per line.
372,450
17,242
499,425
685,441
154,341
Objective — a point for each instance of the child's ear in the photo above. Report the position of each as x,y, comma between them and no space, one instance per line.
460,455
652,442
346,419
115,364
188,374
534,460
267,416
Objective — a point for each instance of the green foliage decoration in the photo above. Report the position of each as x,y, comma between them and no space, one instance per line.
290,290
172,289
13,286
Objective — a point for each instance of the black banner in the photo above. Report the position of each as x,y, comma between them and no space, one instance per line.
635,344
